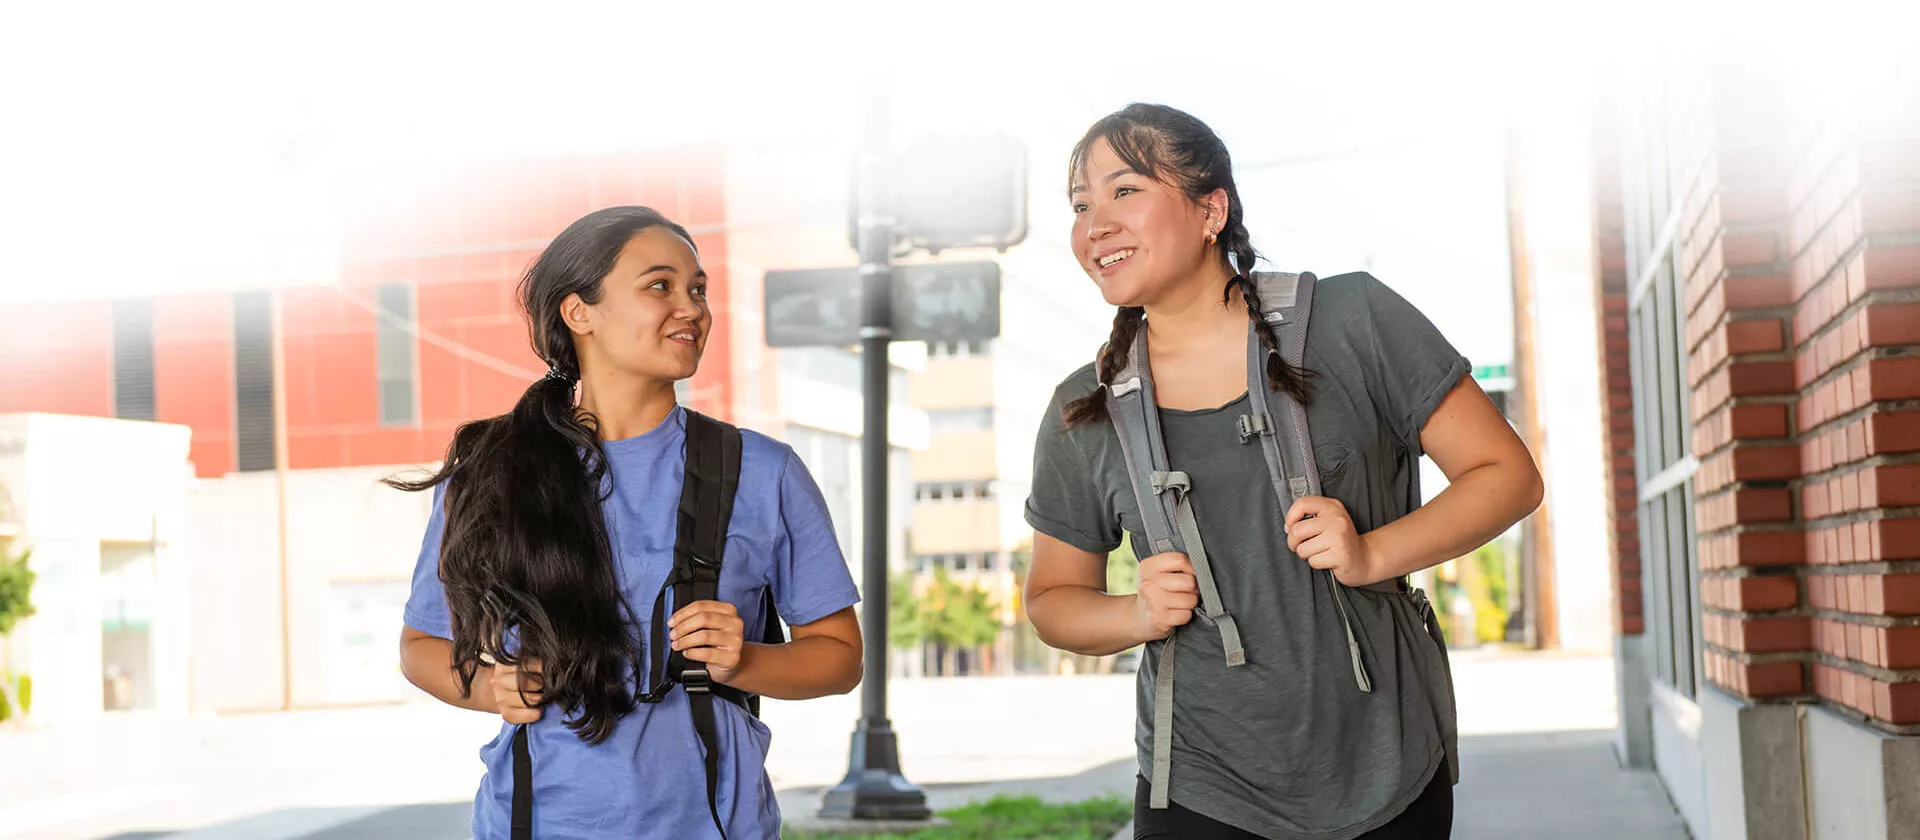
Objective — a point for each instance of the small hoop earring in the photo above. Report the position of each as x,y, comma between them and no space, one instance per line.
1212,237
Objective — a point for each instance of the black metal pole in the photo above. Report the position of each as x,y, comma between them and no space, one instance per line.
874,788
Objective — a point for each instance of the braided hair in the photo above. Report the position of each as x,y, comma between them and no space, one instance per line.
1175,148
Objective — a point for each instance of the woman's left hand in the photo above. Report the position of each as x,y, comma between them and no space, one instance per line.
712,633
1329,540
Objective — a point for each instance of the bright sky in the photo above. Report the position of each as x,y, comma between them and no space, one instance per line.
152,148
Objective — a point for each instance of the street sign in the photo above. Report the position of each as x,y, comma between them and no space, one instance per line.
1491,372
931,302
954,189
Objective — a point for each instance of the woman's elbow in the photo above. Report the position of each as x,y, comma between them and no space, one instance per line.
1533,488
1042,621
855,675
853,667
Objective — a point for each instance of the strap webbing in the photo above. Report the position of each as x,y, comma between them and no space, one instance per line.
712,476
1288,302
706,509
1162,727
1178,484
522,816
1167,517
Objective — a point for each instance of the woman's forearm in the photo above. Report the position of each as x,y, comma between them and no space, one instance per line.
1478,506
802,669
427,662
1085,620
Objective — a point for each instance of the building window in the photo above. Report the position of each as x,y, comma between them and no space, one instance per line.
1661,399
133,359
959,419
253,380
957,349
953,491
394,352
832,460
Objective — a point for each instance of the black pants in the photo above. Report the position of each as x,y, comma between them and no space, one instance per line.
1429,818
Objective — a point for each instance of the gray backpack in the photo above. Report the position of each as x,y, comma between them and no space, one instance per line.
1164,494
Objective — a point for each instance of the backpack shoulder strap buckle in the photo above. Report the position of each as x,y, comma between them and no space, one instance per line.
696,681
1256,423
1172,480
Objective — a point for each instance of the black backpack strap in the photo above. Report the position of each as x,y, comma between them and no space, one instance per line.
713,453
522,817
699,549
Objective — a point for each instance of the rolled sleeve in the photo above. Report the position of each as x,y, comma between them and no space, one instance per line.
810,576
426,609
1064,503
1415,365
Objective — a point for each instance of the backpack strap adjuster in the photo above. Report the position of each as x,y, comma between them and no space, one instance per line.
1256,423
1173,480
696,681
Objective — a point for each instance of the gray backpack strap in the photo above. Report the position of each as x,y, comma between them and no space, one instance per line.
1286,303
1163,496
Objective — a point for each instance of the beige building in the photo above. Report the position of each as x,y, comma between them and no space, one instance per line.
984,401
103,506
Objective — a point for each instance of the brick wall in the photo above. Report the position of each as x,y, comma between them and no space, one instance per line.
1617,376
1800,243
1855,239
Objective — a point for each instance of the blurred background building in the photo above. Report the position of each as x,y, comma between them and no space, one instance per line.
1685,261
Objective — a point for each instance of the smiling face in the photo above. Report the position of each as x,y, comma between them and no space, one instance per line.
651,319
1138,237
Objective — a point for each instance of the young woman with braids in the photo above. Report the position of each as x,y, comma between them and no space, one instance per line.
553,529
1286,745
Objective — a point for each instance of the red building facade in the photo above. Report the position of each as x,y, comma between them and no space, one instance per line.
422,332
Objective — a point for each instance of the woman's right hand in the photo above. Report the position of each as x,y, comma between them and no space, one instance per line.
1168,594
516,691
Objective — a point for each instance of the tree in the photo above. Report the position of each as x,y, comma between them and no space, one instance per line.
16,604
905,625
947,613
976,618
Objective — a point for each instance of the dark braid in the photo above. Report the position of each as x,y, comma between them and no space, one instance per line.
1280,375
1113,357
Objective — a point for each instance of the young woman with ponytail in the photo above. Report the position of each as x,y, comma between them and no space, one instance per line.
1284,746
553,530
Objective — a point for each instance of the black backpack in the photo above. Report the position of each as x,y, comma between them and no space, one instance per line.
706,508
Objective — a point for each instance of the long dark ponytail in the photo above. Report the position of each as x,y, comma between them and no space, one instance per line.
525,553
1175,148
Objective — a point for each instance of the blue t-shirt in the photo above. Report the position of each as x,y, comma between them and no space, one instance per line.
647,780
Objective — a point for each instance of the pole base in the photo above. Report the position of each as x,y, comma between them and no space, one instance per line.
874,789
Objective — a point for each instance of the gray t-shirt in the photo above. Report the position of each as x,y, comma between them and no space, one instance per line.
1286,746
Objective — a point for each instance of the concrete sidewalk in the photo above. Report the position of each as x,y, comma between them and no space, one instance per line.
1560,785
1535,757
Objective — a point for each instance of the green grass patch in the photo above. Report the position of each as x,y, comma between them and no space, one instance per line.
1014,817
